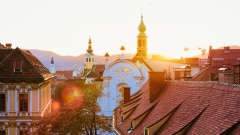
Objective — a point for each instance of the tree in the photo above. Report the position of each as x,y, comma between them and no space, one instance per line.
79,111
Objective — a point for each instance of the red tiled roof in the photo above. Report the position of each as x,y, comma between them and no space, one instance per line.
194,108
67,73
31,69
91,74
97,68
204,74
156,65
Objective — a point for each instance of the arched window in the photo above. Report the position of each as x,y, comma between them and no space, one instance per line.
144,45
139,43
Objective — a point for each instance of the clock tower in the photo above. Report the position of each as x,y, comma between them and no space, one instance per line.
89,56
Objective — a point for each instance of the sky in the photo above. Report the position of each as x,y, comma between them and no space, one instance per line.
64,26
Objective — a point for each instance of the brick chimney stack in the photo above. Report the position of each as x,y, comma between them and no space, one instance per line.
156,83
126,95
8,46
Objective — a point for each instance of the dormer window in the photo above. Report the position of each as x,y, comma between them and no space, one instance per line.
18,71
17,67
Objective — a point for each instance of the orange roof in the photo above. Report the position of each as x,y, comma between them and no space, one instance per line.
183,107
67,73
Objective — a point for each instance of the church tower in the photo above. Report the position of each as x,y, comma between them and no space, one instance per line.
52,66
89,56
142,40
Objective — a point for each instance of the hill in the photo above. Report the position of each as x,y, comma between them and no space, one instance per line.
69,62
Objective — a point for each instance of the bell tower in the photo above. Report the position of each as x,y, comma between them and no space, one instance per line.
89,56
52,66
142,40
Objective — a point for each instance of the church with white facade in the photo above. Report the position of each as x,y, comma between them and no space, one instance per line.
131,73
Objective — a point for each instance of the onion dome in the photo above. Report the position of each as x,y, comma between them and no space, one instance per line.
142,27
90,50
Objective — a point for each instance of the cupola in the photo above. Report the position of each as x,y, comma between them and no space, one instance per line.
142,27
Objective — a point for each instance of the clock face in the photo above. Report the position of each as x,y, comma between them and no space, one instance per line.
122,72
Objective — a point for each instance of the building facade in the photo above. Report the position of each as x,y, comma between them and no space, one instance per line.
25,91
131,73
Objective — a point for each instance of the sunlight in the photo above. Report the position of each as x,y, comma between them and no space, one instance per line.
55,106
72,97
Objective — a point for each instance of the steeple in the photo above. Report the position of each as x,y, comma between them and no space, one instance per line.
142,40
52,66
141,27
89,56
106,59
90,50
122,49
52,62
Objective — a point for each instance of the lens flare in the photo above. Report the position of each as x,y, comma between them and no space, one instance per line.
72,97
55,106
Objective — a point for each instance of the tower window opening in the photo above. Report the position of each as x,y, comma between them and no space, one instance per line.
139,43
86,59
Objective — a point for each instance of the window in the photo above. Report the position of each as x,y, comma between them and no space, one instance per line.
2,103
23,102
86,59
17,71
139,43
2,132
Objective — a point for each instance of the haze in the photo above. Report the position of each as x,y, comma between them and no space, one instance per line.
64,26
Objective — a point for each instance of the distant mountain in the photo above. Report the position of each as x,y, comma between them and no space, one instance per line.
73,62
69,62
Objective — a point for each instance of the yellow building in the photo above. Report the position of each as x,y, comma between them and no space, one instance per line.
25,91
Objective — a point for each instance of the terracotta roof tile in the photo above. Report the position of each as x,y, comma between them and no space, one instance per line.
91,74
205,107
67,73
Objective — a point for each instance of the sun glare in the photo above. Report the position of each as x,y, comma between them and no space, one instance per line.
72,96
55,106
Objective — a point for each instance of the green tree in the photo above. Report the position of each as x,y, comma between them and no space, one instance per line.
79,112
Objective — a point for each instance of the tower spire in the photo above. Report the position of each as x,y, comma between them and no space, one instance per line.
142,40
90,50
52,66
89,56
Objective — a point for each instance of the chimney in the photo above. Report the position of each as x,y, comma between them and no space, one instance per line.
212,76
156,83
100,73
210,55
8,46
126,96
226,48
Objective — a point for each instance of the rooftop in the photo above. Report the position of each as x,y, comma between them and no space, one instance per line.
192,107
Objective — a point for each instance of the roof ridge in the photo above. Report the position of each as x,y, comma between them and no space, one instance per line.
200,73
209,82
6,57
